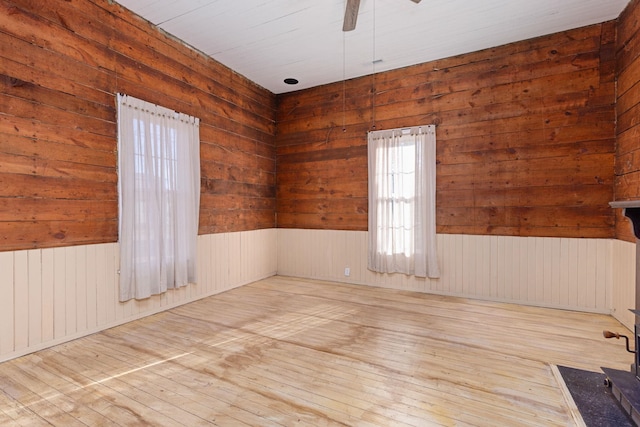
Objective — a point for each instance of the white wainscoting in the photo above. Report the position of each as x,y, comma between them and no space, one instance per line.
49,296
594,275
624,281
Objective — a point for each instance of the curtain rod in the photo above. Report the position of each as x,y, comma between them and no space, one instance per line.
403,130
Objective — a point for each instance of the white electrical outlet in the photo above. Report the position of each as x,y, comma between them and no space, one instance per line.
347,271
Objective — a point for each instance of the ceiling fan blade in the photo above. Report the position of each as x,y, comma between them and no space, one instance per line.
416,1
351,15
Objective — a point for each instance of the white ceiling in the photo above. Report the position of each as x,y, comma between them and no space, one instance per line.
270,40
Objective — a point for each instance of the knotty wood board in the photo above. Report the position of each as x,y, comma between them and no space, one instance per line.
627,105
518,127
60,68
285,351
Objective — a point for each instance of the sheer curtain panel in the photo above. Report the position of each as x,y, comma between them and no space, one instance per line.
402,201
159,185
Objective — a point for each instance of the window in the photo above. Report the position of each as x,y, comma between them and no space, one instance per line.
159,184
402,202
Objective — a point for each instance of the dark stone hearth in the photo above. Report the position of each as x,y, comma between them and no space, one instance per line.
626,389
595,401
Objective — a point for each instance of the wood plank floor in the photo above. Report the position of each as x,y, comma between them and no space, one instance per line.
288,352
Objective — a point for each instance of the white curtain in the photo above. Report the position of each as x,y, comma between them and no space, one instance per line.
159,184
402,201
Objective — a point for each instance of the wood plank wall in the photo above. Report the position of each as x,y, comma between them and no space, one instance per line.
526,139
61,64
627,160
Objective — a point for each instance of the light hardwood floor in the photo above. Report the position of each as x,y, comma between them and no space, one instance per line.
286,352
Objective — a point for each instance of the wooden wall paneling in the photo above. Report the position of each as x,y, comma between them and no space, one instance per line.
468,279
545,268
581,282
300,250
570,273
167,53
489,265
459,264
215,269
7,304
448,275
628,96
502,130
231,247
112,267
528,284
583,276
491,287
502,281
33,82
628,77
205,283
604,293
101,293
623,257
627,26
467,267
61,68
486,263
59,292
21,300
314,252
357,260
515,266
34,292
263,253
235,257
283,250
592,273
520,262
48,308
574,270
221,81
49,296
555,281
549,268
76,74
339,257
246,267
225,261
270,242
517,263
81,272
466,68
70,281
62,118
91,285
563,295
306,252
628,119
543,48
